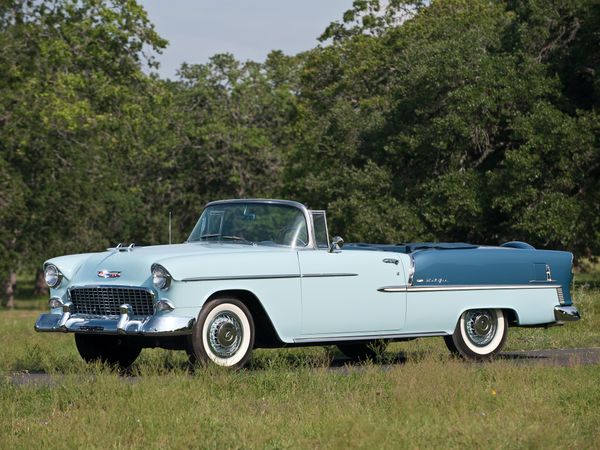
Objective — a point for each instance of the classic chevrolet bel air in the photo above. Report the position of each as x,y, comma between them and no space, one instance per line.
262,273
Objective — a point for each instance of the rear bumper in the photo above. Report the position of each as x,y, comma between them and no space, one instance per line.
566,313
124,324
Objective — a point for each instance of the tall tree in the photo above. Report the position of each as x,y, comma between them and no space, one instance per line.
72,96
453,120
232,125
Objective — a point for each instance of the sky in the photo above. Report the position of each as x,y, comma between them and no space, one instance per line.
250,29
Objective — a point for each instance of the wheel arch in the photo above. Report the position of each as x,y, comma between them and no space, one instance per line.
266,334
512,316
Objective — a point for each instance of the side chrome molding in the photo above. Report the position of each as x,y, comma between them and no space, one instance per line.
271,277
486,287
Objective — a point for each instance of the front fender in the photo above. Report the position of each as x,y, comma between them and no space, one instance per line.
69,264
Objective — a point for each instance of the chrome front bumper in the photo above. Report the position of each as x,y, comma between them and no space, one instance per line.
566,313
125,323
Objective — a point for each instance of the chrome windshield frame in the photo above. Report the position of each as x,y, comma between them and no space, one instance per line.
310,245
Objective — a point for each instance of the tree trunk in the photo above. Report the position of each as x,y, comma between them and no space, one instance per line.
40,287
9,290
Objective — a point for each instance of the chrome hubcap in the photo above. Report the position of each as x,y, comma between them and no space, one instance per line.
480,326
225,334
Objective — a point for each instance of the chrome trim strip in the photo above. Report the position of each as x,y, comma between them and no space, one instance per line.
483,287
401,288
325,275
120,248
270,277
368,337
256,200
561,296
121,286
242,277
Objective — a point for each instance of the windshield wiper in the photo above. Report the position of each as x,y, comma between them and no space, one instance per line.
229,238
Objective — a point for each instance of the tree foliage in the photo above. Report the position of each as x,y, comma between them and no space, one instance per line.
71,99
463,115
233,124
447,120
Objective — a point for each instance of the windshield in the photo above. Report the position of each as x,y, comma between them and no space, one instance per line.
252,223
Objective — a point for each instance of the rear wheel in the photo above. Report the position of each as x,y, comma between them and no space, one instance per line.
363,351
223,334
480,334
113,350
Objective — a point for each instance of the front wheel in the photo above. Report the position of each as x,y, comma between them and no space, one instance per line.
113,350
223,334
479,334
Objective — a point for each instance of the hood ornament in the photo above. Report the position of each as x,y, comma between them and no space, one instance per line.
108,274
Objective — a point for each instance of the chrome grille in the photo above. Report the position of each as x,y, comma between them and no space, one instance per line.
561,297
105,300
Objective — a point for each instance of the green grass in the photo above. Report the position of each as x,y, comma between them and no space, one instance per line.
431,402
23,295
289,398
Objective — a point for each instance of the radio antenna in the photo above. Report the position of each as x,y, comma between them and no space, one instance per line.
170,228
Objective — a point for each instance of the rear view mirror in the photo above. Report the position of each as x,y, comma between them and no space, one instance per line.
336,244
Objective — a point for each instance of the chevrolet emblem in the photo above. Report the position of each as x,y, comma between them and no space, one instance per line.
108,274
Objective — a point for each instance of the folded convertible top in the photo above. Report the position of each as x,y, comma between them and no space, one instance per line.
409,248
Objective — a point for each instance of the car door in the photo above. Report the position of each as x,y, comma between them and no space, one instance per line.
340,294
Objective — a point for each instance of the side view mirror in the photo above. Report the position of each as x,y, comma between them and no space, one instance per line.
336,244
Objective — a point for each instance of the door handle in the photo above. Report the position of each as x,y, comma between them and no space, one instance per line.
391,261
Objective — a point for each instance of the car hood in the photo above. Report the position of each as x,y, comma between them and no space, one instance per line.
133,266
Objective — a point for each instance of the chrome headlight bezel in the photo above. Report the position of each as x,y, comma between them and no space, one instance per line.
53,276
161,278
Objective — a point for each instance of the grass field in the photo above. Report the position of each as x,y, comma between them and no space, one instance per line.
289,398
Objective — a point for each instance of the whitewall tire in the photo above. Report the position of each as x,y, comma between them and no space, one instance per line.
223,334
479,334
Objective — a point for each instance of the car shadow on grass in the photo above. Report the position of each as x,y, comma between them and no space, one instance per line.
386,360
294,362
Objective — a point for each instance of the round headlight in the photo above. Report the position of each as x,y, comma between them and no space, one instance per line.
161,279
52,275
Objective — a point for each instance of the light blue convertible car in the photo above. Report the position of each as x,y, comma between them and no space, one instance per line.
263,273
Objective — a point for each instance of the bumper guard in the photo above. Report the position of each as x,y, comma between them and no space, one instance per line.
566,313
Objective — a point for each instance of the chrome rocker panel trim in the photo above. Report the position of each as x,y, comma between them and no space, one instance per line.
566,313
367,337
122,324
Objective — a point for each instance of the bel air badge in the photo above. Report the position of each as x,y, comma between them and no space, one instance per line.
108,274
